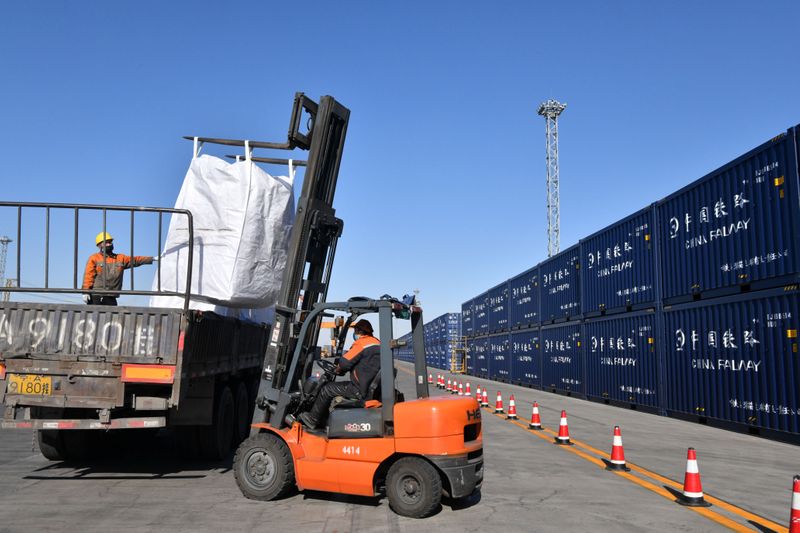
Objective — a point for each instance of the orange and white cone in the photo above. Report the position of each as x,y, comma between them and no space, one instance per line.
430,379
485,398
498,404
478,394
438,381
617,453
692,488
512,409
536,422
794,517
563,431
448,389
468,391
455,387
461,388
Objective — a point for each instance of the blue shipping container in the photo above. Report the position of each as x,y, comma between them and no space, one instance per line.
467,324
526,365
618,263
562,358
559,281
739,225
736,359
621,358
480,353
480,314
471,357
499,358
523,295
498,308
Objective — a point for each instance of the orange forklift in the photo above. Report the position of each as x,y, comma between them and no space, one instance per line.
411,450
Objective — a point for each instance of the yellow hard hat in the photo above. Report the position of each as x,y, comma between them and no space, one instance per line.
103,236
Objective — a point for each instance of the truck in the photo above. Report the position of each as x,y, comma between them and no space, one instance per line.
82,374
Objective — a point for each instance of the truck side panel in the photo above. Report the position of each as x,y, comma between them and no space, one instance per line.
89,332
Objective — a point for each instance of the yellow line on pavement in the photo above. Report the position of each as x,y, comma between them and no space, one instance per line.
747,515
722,504
704,511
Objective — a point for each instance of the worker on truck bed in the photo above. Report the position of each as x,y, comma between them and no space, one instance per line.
363,360
105,268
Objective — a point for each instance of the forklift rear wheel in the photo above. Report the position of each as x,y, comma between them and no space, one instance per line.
263,467
414,487
51,444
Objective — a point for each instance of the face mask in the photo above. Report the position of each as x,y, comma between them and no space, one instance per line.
109,248
355,336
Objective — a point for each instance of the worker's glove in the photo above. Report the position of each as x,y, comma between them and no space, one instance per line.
87,298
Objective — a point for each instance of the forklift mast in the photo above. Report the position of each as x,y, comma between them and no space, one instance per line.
312,244
312,247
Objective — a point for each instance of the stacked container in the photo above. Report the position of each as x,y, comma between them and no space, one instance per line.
687,307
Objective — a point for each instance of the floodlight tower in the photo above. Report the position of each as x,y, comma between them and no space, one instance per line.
550,110
4,242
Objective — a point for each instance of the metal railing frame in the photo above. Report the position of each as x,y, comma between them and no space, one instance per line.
104,209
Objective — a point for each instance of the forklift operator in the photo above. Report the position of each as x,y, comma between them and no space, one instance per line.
363,360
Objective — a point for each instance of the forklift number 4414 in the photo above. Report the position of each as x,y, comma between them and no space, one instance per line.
351,450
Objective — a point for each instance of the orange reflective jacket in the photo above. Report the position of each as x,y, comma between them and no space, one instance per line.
363,360
104,272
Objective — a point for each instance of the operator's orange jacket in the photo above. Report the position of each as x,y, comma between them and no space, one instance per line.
104,272
363,360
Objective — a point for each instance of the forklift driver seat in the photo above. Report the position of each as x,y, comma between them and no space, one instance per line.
373,396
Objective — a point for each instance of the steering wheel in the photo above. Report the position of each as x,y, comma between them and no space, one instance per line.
327,366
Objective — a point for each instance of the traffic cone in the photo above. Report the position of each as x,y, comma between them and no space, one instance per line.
512,409
478,394
536,422
461,388
441,381
455,387
498,406
563,431
794,517
692,489
430,379
448,389
468,391
617,453
485,398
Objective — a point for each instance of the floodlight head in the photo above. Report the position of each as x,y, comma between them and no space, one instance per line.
551,108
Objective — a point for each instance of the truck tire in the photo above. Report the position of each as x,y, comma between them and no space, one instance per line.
243,416
414,487
216,440
80,444
263,467
51,444
187,442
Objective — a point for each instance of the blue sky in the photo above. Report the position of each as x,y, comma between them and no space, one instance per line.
442,186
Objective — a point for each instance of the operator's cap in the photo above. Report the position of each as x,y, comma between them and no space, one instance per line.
103,236
363,325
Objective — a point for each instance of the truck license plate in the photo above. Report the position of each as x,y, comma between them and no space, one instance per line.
30,384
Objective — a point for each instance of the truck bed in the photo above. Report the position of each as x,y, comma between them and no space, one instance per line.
80,352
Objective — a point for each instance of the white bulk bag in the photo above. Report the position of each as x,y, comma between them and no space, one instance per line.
242,221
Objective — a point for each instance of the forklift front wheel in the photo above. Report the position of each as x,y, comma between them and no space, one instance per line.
414,487
263,467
